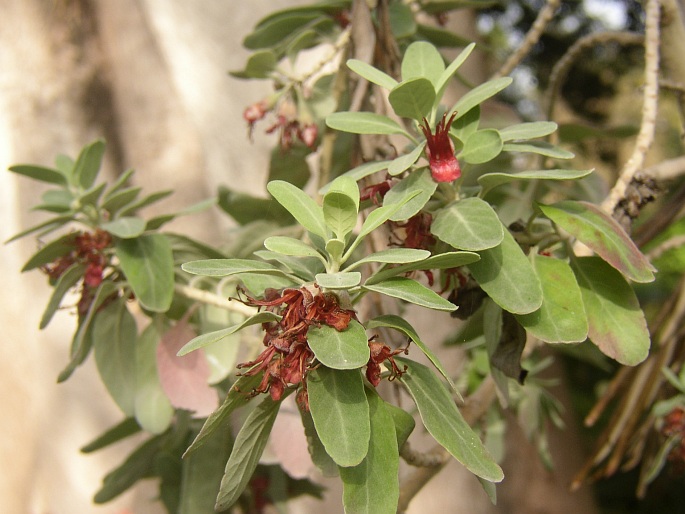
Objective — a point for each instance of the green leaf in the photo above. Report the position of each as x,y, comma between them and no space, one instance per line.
372,486
602,234
126,227
303,267
82,341
617,324
441,261
439,36
50,252
469,224
201,474
364,123
148,264
449,72
213,337
347,186
529,130
492,180
347,349
290,166
481,146
152,408
375,219
88,164
405,161
227,267
412,98
120,199
561,318
317,452
444,422
66,281
121,431
466,124
140,464
260,65
114,341
134,207
339,213
402,22
273,32
404,423
40,173
341,413
64,164
507,276
422,60
419,183
246,209
119,183
392,256
48,226
92,196
247,450
237,396
400,324
362,171
371,73
540,148
305,210
290,246
411,291
479,94
340,280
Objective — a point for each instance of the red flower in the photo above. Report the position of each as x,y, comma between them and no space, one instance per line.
440,150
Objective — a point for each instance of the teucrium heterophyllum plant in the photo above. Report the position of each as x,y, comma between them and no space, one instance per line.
454,238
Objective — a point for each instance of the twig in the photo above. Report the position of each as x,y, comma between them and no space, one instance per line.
212,299
667,245
560,70
649,109
532,37
667,170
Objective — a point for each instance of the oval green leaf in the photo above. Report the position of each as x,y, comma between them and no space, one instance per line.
507,276
420,184
602,234
372,486
339,213
347,349
126,227
411,291
371,73
88,164
247,450
290,246
226,267
148,264
421,59
404,162
412,98
341,280
479,94
561,317
445,423
491,180
481,146
446,75
303,208
341,413
469,224
151,407
114,341
213,337
617,325
364,123
529,130
392,256
540,148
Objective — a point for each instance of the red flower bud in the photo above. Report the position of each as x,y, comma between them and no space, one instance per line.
440,150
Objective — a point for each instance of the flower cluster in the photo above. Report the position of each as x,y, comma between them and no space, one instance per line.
288,358
288,126
90,249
